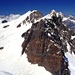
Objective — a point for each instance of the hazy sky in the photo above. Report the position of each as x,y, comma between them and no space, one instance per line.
45,6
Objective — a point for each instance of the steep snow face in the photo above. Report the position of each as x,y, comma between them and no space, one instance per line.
71,59
16,22
11,61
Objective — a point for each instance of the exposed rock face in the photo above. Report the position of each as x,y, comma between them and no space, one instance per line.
35,15
6,26
46,42
4,21
1,48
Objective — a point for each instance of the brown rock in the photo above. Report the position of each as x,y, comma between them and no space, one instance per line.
45,50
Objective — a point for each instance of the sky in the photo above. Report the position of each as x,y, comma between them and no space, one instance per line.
7,7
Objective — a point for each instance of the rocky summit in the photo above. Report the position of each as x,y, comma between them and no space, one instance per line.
35,15
46,43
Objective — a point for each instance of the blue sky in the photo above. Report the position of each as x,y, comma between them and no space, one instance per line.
45,6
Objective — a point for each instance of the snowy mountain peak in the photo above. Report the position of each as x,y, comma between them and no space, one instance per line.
47,42
53,11
57,14
32,16
34,11
52,14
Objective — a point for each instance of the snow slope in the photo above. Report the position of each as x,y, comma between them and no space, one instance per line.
71,59
5,73
11,61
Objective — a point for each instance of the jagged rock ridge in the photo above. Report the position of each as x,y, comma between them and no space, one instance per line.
46,43
35,15
31,18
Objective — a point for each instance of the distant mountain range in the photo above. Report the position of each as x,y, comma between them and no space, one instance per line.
70,22
9,17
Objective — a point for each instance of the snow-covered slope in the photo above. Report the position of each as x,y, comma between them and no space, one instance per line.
5,73
11,61
19,20
71,59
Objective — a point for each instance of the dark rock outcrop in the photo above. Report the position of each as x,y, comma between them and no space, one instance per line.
1,48
4,21
6,26
46,43
19,25
35,16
